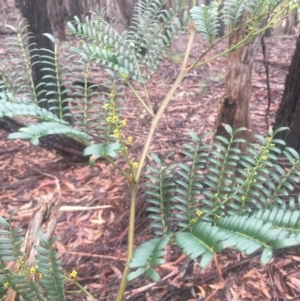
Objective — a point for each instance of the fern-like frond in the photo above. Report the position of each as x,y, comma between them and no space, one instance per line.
232,11
255,169
223,198
10,242
10,251
87,104
149,36
11,109
219,180
49,266
207,21
6,87
260,7
35,131
264,182
26,288
106,46
93,109
250,234
19,73
147,256
190,182
204,240
49,286
123,54
245,233
54,86
90,108
157,37
257,7
145,17
288,220
222,160
17,79
161,192
96,29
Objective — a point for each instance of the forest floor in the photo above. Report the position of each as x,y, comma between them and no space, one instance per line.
94,241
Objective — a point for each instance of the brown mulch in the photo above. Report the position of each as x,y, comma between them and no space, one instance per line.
93,241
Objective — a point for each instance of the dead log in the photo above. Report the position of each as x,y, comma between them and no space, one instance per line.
44,219
65,146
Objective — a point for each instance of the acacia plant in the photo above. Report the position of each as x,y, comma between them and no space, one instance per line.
208,207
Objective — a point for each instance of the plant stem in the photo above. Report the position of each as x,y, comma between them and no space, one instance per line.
134,188
164,105
123,283
148,108
81,288
124,173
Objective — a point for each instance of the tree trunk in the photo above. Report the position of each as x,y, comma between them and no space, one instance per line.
234,105
288,114
35,11
291,23
110,9
76,9
2,19
125,9
58,14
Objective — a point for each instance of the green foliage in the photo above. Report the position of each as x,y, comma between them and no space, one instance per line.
49,266
223,198
147,256
50,283
208,18
233,11
123,54
35,131
10,242
9,107
16,77
103,150
160,195
149,37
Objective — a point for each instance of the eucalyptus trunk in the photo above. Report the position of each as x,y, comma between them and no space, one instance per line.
234,106
288,114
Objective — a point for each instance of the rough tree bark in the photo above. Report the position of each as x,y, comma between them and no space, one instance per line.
126,10
234,104
58,15
36,13
291,23
76,9
2,18
288,114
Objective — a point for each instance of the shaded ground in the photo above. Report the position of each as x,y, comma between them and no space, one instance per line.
94,241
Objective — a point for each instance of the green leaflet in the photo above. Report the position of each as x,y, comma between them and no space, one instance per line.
147,256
